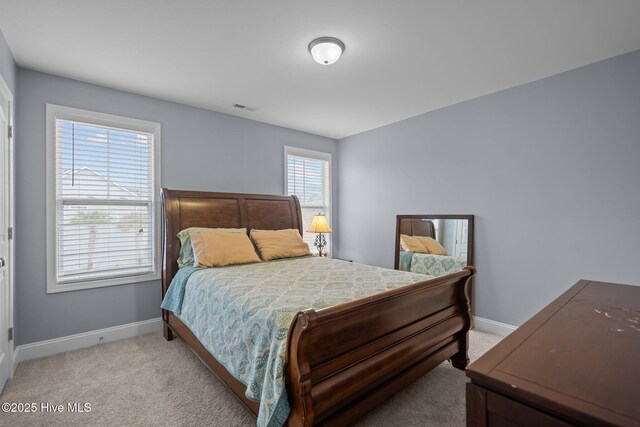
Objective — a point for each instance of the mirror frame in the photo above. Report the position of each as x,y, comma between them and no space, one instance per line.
470,228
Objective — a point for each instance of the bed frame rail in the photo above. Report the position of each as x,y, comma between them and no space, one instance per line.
346,359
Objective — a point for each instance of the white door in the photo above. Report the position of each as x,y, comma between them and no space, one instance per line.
4,238
461,233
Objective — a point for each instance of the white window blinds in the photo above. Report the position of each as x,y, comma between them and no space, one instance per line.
105,189
308,177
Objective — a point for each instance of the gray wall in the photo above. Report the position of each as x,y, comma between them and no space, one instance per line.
201,150
551,170
7,65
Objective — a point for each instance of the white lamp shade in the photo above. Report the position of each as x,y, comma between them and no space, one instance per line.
319,225
326,50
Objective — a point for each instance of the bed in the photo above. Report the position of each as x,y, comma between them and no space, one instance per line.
340,359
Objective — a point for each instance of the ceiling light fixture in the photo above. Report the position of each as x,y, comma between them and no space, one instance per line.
326,50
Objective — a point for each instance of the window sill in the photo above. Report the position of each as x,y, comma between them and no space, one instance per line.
54,287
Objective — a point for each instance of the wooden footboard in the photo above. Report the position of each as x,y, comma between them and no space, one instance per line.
347,359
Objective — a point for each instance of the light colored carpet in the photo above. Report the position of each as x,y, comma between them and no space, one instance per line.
148,381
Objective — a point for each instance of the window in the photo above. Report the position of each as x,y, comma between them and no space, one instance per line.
308,176
103,184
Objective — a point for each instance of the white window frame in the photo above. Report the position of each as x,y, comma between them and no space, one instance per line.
55,112
318,155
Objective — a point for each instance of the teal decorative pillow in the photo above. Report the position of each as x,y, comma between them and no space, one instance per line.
186,249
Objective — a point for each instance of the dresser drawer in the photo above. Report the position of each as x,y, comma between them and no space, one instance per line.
488,409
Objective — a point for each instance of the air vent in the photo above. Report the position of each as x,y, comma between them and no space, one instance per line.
244,107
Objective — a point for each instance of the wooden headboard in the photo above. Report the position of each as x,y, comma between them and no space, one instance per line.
184,209
418,227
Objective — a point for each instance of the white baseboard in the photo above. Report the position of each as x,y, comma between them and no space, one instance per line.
46,348
14,363
492,327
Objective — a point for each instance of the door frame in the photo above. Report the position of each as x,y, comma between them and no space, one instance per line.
10,300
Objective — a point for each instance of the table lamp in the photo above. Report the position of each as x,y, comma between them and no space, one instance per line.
319,225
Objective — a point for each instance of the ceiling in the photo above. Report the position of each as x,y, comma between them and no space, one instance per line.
402,58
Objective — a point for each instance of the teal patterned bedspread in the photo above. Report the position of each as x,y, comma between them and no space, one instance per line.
432,265
175,294
405,260
242,314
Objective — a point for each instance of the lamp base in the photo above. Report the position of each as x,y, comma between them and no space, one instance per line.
320,243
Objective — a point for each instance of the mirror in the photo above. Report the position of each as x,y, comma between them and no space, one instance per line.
434,245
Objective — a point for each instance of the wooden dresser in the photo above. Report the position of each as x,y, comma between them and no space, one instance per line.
577,362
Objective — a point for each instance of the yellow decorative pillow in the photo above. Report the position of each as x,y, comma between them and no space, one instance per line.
432,245
222,248
186,249
411,244
274,244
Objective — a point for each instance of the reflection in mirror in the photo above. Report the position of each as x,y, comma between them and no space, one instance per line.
434,245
